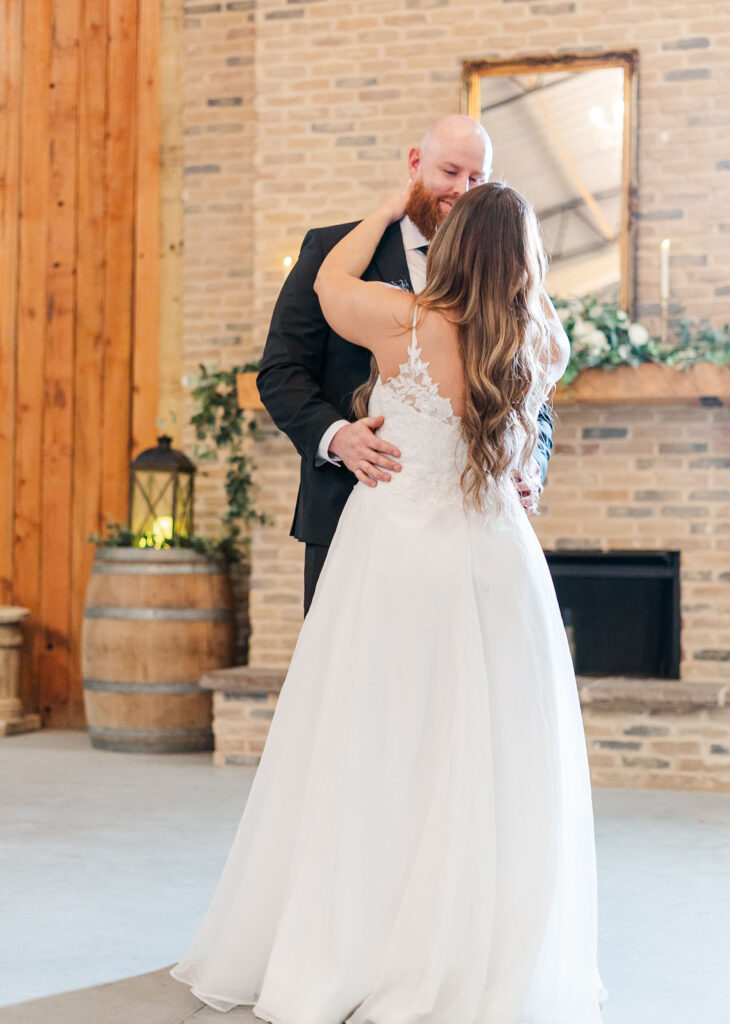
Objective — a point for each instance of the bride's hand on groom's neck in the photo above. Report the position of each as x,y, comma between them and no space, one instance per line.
352,254
393,207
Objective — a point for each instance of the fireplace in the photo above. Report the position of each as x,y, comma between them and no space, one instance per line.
621,610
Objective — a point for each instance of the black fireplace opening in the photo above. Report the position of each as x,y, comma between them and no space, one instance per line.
621,610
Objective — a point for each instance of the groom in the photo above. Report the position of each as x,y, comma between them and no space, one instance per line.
308,373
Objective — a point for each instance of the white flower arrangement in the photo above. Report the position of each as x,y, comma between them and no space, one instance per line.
603,335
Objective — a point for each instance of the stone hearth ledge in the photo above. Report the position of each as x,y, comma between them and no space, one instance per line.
651,696
608,693
661,733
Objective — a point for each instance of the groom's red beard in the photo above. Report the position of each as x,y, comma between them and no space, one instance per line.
425,210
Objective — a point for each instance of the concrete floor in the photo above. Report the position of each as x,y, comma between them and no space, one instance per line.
108,861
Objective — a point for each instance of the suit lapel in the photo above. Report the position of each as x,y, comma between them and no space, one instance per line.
389,261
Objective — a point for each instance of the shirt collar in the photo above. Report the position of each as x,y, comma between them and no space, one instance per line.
412,237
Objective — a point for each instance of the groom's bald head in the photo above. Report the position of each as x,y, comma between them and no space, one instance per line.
460,133
454,155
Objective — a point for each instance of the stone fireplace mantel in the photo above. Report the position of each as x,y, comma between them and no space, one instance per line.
650,383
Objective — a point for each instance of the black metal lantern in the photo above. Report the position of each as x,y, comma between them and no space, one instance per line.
161,495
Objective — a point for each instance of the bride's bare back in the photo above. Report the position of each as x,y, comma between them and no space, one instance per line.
439,353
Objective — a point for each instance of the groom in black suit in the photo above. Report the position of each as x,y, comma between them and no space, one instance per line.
308,373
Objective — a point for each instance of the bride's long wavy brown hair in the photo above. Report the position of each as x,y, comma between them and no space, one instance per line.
485,272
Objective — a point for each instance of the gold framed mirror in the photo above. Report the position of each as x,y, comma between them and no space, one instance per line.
564,134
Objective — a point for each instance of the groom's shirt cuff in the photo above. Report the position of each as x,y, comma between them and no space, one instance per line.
323,454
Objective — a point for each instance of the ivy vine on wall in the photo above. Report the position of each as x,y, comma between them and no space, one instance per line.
222,430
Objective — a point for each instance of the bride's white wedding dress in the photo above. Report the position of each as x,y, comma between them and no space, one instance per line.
417,846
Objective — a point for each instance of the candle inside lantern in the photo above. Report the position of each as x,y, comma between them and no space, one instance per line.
287,265
161,530
664,251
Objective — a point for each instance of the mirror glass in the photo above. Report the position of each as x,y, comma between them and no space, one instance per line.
559,138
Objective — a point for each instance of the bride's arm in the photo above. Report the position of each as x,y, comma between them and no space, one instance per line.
559,343
556,360
361,311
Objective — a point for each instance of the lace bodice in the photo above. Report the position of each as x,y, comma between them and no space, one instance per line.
424,427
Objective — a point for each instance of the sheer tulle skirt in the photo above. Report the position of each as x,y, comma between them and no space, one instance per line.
417,845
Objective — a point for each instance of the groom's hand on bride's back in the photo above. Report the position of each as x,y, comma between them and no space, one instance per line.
365,454
529,487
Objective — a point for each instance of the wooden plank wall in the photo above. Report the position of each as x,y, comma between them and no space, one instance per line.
79,306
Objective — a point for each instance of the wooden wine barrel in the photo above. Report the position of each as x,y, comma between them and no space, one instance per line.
154,622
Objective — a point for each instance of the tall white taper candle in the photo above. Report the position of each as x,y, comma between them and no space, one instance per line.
664,250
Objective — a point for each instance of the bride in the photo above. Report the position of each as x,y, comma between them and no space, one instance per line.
417,846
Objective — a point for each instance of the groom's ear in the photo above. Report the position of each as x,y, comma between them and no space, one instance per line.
414,160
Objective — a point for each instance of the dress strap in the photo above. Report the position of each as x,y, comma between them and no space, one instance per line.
413,330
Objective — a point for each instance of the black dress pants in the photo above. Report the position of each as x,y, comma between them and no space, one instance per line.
314,556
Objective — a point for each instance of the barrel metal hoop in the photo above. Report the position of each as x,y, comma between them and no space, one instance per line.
160,556
140,734
152,688
159,614
198,745
155,569
154,741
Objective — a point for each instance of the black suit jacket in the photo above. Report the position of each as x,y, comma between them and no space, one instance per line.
309,373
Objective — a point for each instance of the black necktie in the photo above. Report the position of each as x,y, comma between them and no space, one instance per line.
423,249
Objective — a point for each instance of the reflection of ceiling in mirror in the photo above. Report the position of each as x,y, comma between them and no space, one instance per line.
558,139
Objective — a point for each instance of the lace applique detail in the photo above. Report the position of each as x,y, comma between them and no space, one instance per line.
426,431
413,386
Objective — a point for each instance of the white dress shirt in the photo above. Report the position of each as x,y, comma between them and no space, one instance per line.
412,239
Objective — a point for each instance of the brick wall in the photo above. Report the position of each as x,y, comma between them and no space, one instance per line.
219,146
301,112
654,750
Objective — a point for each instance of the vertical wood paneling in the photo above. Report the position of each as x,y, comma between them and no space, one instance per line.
87,510
171,218
10,37
31,322
54,659
120,157
79,301
146,357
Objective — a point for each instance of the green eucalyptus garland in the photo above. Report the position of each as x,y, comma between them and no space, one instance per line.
603,335
118,535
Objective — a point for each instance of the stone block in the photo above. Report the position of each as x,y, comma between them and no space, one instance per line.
644,762
646,730
651,696
673,747
244,679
